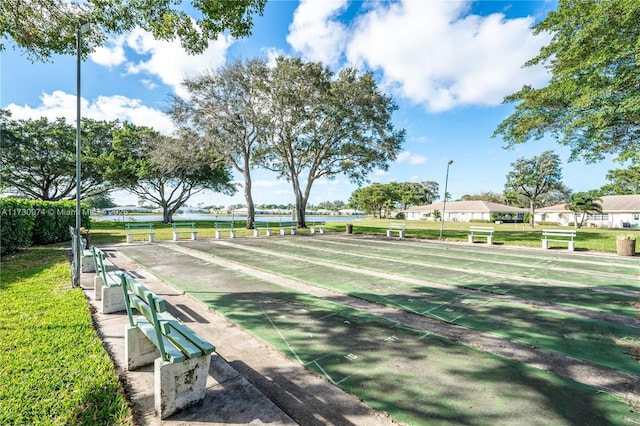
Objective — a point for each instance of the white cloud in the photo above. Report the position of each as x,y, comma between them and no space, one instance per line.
413,159
169,62
315,34
436,54
61,104
149,84
110,55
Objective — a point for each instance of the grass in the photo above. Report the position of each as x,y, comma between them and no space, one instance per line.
592,239
53,367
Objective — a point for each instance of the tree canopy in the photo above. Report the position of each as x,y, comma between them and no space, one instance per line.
46,27
321,125
38,157
164,170
225,107
592,101
383,197
622,181
533,177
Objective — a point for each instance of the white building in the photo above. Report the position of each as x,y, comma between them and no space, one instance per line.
618,211
466,211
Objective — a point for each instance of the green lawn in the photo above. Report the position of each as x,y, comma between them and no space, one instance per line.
53,367
592,239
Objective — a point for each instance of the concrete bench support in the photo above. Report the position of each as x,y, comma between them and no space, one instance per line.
232,234
179,385
87,264
152,237
176,235
112,300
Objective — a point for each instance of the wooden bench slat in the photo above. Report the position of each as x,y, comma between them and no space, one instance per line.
183,337
171,351
148,297
184,225
223,225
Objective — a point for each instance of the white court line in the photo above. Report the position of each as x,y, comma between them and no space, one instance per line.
282,336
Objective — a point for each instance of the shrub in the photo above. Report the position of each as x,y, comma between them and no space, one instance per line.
35,222
16,224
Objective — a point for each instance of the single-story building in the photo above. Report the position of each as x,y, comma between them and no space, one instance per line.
466,211
618,211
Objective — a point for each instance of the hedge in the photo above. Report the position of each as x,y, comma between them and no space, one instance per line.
33,222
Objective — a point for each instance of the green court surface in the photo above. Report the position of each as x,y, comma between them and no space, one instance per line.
546,278
415,376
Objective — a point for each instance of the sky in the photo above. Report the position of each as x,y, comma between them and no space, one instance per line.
447,64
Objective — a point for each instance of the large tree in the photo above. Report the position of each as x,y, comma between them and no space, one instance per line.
46,27
164,170
322,125
431,191
592,101
623,181
372,199
225,106
533,177
38,157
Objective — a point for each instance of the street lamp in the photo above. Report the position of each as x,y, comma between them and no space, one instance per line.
82,29
444,203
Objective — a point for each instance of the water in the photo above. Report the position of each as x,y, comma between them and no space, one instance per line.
219,218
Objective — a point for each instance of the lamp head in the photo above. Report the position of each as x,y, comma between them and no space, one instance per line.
450,162
84,27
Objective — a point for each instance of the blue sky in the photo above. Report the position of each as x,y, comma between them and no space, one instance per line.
447,64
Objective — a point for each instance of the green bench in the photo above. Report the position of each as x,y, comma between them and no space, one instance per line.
481,232
284,225
106,283
86,257
396,227
320,224
136,228
221,226
559,236
184,228
181,358
261,225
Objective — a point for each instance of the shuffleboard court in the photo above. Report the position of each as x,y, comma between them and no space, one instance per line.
591,340
462,273
409,372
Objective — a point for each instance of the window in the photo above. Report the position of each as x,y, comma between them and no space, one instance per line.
604,216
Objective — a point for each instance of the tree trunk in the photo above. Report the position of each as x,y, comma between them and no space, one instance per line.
532,209
251,209
301,210
167,214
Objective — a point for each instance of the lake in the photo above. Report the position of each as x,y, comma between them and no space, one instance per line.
219,218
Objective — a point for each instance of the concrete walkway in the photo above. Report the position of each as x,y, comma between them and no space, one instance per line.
249,383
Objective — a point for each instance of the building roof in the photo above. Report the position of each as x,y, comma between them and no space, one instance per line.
610,204
475,206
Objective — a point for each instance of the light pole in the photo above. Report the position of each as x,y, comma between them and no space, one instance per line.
444,203
82,29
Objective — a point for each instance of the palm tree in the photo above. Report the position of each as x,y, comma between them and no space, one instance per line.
585,203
